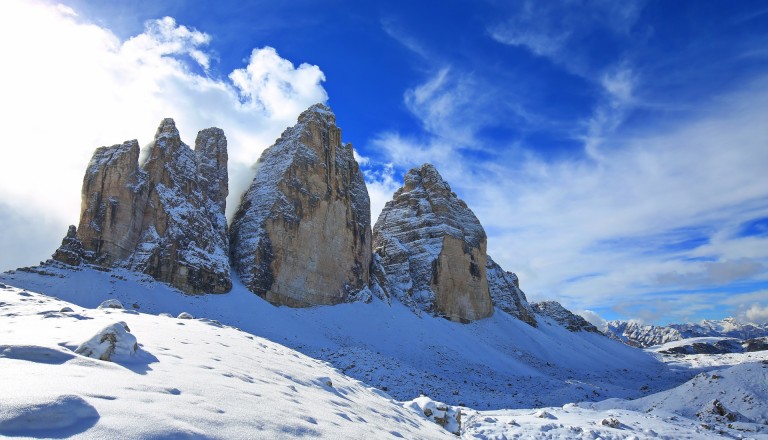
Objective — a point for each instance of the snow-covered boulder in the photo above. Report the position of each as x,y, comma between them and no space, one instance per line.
447,416
111,304
185,315
113,342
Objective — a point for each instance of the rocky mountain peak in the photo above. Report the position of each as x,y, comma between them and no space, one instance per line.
164,217
431,248
167,129
318,112
564,317
301,235
506,294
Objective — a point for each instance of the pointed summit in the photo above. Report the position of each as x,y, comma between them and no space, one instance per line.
431,248
302,234
164,218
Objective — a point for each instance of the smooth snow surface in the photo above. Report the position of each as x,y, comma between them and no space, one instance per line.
497,362
190,379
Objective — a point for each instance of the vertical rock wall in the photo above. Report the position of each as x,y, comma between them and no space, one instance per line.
431,248
302,234
164,217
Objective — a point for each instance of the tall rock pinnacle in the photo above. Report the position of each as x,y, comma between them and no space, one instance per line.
432,249
302,234
164,217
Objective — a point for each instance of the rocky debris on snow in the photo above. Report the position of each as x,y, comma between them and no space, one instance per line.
506,294
542,414
163,217
302,234
113,342
111,304
756,344
564,317
611,422
432,249
449,417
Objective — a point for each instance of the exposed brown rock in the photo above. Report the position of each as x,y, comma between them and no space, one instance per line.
302,235
432,249
71,249
164,217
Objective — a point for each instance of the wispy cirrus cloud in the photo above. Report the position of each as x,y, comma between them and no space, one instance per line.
660,206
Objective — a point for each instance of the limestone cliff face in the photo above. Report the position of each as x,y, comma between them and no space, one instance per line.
506,294
431,249
302,234
164,217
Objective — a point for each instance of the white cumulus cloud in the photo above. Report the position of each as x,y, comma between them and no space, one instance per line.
69,86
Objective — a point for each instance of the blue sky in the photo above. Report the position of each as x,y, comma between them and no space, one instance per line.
615,152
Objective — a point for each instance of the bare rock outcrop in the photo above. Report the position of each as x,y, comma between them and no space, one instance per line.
164,217
564,317
506,294
432,249
302,234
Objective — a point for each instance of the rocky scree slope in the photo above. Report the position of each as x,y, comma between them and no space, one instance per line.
164,217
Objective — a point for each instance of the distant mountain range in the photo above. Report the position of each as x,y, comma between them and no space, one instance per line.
641,335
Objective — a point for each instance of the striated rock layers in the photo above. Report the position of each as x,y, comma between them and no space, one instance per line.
506,293
164,217
302,234
431,248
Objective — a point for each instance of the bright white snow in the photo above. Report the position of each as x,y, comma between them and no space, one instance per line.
197,377
191,378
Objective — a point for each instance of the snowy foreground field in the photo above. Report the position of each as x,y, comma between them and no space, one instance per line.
197,377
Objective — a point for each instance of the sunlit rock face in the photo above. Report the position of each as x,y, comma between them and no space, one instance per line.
164,217
302,234
431,250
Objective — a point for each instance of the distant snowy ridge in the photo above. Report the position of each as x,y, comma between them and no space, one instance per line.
642,335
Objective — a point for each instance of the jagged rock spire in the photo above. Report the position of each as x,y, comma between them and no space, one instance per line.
165,217
302,234
431,248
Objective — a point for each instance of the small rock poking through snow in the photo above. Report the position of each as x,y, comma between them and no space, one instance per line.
113,342
449,417
111,304
185,315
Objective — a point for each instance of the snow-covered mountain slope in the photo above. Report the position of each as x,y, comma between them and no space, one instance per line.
727,399
498,362
641,335
733,398
200,378
189,379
